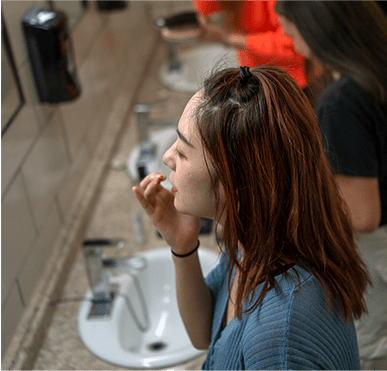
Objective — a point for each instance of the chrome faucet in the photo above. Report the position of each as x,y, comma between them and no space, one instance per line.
103,295
104,292
142,112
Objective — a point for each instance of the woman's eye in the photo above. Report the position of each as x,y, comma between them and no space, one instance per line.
179,154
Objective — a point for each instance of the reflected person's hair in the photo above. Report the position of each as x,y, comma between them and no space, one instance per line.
348,36
282,204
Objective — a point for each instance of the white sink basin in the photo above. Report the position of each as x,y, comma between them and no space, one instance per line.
197,64
118,340
164,138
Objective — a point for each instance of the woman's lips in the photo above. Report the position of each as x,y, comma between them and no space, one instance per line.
174,191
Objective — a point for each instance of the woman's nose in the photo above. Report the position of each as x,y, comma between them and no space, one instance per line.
168,158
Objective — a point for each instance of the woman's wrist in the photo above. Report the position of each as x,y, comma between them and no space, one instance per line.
235,40
184,255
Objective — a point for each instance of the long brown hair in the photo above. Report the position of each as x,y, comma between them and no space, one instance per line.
282,204
349,36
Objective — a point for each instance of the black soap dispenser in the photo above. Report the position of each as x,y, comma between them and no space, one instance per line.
112,5
51,56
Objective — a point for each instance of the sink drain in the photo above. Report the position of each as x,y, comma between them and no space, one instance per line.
156,346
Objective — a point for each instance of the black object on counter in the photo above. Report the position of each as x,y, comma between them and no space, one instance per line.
108,6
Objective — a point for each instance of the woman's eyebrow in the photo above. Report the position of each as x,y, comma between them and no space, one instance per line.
184,139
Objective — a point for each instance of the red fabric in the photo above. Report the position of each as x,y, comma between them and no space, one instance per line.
266,42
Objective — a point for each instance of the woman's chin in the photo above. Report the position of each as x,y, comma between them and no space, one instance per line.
184,209
180,208
191,210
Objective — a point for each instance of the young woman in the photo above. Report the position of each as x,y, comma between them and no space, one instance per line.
352,114
290,281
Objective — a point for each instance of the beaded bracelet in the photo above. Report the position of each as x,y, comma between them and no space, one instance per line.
185,255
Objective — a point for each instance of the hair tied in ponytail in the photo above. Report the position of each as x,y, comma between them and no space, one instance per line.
245,74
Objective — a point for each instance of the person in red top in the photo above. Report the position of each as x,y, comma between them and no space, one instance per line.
253,28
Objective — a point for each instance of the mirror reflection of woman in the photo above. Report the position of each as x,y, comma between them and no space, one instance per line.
289,282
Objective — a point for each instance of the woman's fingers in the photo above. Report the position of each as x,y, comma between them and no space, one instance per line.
159,205
202,20
150,193
146,205
149,178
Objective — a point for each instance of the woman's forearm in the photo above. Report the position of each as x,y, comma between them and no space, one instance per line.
235,40
363,199
194,300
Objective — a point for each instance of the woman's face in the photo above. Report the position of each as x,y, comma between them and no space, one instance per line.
299,43
191,181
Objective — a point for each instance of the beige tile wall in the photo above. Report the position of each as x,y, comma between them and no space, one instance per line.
47,149
45,168
18,232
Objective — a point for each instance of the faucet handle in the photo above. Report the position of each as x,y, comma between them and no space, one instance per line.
104,242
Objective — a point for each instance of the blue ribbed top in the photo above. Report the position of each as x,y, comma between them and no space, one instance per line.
286,331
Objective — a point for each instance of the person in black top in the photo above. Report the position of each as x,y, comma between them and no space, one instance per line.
383,5
351,39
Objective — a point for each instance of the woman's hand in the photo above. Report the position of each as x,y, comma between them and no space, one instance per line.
179,230
210,32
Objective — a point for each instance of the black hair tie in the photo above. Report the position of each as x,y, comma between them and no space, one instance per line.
188,254
245,73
